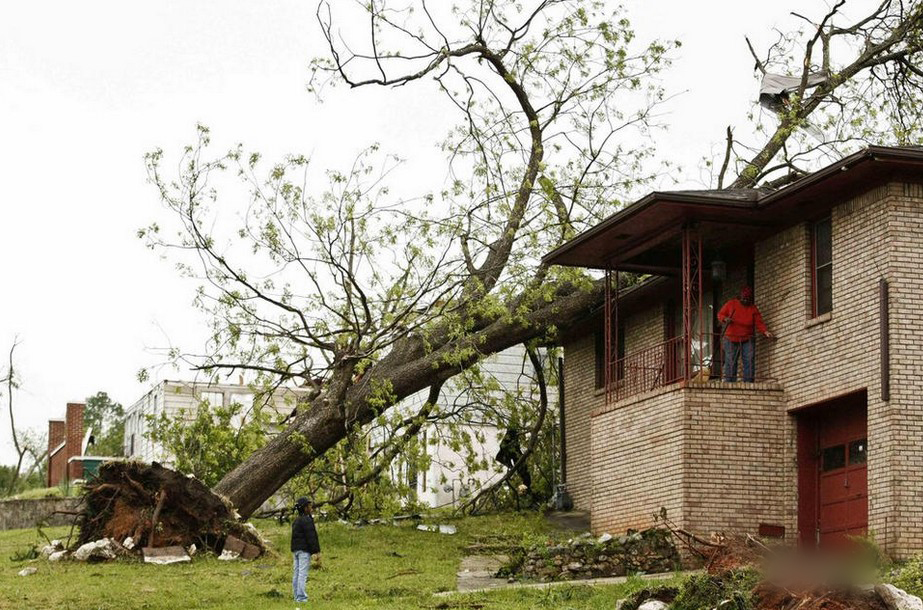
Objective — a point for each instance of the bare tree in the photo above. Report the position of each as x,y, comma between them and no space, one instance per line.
367,299
25,443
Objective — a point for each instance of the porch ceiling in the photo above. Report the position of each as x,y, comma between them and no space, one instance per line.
645,236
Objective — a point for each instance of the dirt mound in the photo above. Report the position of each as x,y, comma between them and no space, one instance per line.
156,506
767,596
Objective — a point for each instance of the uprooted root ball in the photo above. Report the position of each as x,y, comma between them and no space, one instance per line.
156,506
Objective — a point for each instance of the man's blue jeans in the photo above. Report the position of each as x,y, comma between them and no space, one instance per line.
301,565
734,350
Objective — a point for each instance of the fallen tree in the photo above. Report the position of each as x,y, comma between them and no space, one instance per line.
366,303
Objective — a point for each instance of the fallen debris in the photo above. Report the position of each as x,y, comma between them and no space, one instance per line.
733,554
442,529
153,505
241,548
28,571
165,555
54,547
898,599
59,555
99,550
767,596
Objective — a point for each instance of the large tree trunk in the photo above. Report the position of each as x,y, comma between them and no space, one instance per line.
409,370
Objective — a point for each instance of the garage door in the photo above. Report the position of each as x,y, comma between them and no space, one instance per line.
837,462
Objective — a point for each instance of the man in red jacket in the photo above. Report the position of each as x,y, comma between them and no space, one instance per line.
738,318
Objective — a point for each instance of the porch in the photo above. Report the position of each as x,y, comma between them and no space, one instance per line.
692,239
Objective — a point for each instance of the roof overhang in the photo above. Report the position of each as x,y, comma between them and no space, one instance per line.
643,236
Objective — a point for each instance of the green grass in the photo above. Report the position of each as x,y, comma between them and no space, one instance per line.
376,566
43,492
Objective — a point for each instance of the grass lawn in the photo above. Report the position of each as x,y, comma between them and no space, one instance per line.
377,566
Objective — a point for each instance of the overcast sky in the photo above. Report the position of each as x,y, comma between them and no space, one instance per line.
87,88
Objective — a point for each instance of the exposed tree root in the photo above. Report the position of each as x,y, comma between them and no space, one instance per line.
156,506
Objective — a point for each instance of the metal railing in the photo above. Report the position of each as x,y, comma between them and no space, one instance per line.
664,364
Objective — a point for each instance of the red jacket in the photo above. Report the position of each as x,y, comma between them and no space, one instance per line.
743,318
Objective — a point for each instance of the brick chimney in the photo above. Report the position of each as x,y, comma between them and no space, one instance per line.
73,421
56,433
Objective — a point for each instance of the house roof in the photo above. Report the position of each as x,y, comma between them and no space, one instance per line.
642,237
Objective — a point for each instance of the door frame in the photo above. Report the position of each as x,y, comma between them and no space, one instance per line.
809,420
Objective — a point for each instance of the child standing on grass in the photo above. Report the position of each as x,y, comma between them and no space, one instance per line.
304,544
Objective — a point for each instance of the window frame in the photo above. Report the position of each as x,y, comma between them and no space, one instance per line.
815,312
599,356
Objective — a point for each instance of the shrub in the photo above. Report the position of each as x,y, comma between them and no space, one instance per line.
709,590
910,577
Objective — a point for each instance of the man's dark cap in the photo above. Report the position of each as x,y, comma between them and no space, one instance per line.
302,501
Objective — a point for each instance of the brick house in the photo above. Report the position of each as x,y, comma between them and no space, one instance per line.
825,443
66,441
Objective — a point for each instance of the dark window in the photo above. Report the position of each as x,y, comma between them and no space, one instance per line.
858,452
822,267
834,458
600,350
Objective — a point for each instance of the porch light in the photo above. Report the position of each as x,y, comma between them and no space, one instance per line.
718,270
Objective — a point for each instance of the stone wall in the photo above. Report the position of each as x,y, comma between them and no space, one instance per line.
19,514
649,552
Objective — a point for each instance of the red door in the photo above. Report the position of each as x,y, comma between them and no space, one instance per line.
833,453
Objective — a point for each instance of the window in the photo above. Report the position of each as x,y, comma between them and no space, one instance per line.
822,267
600,350
214,399
833,458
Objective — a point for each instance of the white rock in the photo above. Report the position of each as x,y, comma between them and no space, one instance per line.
227,555
442,529
58,556
165,555
604,538
101,549
898,599
28,571
56,545
653,604
129,543
192,550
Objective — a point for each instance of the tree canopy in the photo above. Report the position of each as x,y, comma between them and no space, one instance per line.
367,298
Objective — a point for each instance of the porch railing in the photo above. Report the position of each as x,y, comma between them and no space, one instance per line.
664,364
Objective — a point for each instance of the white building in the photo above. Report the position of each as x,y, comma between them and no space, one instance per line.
448,480
181,399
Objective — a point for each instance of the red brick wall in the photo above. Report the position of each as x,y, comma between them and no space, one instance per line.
56,433
74,423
